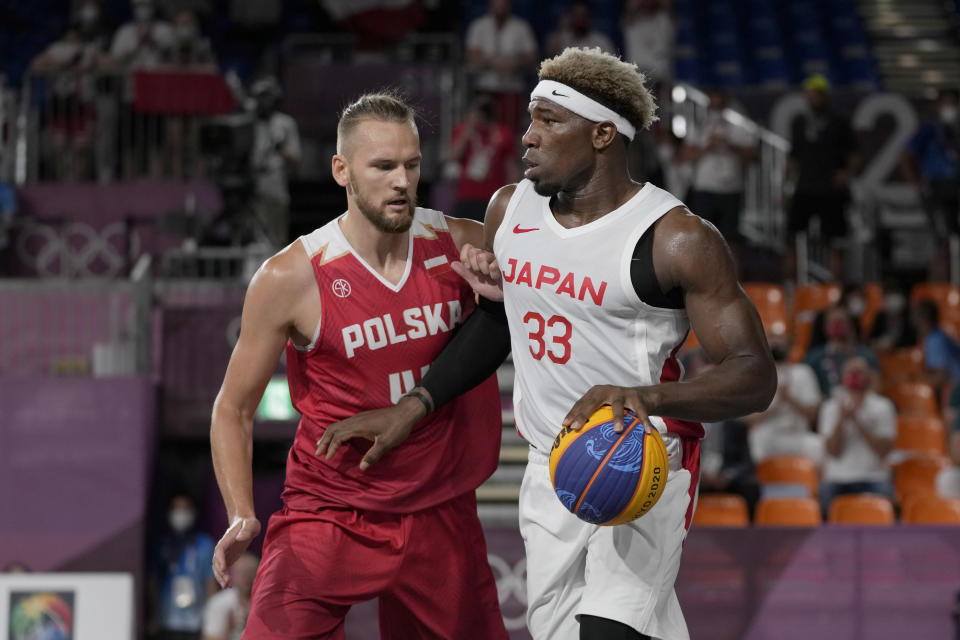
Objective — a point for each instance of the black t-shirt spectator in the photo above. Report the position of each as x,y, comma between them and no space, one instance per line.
822,145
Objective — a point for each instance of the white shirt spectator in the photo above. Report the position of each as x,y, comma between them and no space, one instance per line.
142,46
648,43
857,460
515,38
224,617
720,169
782,429
271,136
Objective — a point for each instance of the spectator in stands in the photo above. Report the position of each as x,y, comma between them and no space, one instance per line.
190,51
484,153
719,152
787,427
726,465
941,354
70,63
931,162
892,328
576,30
823,161
181,577
859,428
276,150
93,22
827,360
501,48
648,36
225,614
144,43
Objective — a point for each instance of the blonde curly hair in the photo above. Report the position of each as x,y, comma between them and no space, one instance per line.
607,79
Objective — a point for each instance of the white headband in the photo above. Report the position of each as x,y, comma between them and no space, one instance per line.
588,108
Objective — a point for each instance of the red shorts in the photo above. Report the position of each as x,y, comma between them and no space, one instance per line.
429,570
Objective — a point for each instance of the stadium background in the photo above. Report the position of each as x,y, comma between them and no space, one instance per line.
116,324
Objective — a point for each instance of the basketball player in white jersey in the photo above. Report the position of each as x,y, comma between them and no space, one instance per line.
602,280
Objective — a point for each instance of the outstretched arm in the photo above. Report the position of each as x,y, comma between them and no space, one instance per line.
692,254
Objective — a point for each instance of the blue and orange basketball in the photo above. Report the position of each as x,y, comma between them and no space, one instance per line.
605,477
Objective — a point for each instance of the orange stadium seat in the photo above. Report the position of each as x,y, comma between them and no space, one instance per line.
932,509
921,433
873,296
771,303
946,296
861,508
917,475
788,512
721,510
913,398
808,299
789,470
902,365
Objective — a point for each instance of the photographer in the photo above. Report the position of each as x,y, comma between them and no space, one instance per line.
276,148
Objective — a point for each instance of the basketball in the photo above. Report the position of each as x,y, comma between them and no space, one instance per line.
608,478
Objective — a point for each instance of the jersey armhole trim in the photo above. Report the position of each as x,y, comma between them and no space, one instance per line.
512,205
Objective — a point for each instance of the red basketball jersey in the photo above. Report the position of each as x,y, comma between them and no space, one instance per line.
374,342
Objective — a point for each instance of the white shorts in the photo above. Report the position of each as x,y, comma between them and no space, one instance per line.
623,573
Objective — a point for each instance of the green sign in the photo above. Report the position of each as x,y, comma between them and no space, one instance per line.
276,404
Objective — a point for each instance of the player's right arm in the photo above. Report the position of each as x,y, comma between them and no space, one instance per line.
472,355
268,313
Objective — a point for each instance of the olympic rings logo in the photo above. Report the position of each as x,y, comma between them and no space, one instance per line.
88,252
511,587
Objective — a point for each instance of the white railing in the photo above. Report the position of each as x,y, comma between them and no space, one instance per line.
762,220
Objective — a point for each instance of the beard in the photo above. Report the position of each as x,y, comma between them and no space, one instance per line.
378,217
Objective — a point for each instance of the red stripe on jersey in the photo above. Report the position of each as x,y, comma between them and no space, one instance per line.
671,373
690,459
690,432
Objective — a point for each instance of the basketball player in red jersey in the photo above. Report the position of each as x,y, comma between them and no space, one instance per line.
602,278
362,306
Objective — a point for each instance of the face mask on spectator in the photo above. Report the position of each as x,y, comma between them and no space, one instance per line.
181,520
856,380
89,14
837,330
856,306
894,303
142,13
185,32
948,114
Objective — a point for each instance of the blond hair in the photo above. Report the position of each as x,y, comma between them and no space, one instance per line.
385,106
607,79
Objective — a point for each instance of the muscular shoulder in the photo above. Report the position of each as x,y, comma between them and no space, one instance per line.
689,252
281,282
496,209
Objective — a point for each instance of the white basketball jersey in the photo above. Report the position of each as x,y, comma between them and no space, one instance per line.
575,317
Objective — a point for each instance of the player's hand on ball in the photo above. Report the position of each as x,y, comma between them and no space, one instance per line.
619,398
234,542
386,428
481,271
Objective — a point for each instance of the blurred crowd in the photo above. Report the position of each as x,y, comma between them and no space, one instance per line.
867,384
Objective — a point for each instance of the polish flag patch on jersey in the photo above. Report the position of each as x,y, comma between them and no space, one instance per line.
437,266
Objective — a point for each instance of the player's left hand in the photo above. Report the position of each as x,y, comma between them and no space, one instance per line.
386,428
619,398
481,271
